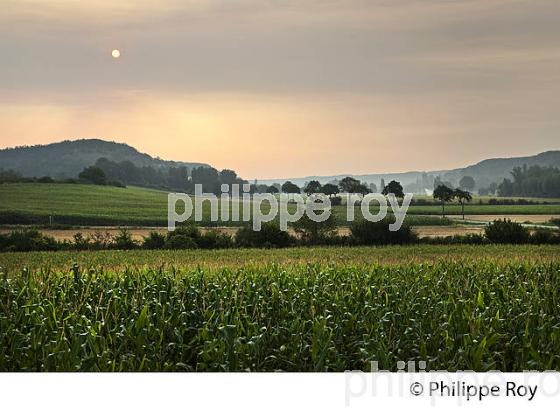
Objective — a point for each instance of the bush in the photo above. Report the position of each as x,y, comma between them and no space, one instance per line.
544,236
27,240
81,243
154,240
180,242
270,236
365,232
215,240
185,237
100,240
315,233
124,241
506,231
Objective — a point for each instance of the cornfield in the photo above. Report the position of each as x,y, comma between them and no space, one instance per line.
454,314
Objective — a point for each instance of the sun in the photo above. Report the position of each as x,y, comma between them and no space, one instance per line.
116,53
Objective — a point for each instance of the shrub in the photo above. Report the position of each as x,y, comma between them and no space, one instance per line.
180,242
365,232
81,243
544,236
100,240
28,240
270,236
154,240
506,231
215,240
184,237
315,233
124,240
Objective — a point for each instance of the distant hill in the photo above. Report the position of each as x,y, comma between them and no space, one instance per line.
67,158
484,172
496,169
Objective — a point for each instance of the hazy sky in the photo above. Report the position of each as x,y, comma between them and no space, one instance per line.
279,88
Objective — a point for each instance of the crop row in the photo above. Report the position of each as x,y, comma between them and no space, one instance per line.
455,315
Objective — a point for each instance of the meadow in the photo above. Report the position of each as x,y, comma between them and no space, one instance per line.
297,309
89,205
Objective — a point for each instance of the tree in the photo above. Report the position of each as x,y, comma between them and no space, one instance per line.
444,194
178,178
462,197
262,188
467,183
362,189
94,175
353,186
533,181
394,188
438,181
229,177
330,190
272,190
208,178
348,184
312,187
289,187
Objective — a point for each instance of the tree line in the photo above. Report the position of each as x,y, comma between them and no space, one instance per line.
534,181
347,185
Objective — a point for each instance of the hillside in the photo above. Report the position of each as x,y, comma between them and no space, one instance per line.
484,172
496,169
67,158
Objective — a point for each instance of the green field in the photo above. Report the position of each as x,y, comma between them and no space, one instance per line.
312,309
33,204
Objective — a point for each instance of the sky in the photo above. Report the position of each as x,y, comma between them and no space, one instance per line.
286,88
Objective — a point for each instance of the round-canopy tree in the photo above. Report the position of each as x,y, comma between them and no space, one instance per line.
462,197
395,188
444,194
289,187
312,187
467,183
330,189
